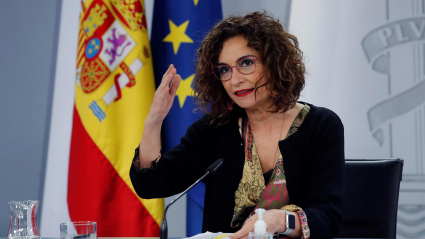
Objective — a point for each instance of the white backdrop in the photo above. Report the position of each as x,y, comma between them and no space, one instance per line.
366,62
54,205
363,57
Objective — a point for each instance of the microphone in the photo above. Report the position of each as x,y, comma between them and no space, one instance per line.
210,170
213,167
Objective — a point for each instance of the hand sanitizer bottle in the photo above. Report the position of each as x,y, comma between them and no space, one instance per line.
260,227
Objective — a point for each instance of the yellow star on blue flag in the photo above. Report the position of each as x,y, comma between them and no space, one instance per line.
177,35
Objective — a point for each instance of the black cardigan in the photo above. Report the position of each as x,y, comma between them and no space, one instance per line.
313,159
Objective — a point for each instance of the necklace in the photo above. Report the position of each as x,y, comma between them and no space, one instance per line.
280,136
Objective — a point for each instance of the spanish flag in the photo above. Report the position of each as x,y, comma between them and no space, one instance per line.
114,90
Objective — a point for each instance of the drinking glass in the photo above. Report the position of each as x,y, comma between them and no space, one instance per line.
23,216
78,230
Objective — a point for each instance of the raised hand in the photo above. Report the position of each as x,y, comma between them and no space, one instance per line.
164,97
150,144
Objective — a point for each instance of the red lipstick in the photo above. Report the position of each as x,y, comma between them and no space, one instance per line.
243,92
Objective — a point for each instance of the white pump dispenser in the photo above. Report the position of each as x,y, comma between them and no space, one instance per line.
260,227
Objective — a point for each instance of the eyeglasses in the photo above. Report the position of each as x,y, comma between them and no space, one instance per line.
244,65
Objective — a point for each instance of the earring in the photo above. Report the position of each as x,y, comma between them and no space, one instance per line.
230,106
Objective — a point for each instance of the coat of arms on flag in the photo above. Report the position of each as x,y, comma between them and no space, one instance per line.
105,47
114,90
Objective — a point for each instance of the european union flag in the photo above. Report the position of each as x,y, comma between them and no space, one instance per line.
178,29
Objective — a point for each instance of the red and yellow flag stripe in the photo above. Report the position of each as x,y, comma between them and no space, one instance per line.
114,90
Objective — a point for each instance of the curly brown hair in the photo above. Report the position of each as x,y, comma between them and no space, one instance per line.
279,53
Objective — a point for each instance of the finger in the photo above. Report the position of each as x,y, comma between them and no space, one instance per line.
171,71
163,89
167,73
168,70
253,217
165,84
243,231
175,85
170,78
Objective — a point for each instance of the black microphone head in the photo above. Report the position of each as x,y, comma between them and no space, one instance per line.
213,167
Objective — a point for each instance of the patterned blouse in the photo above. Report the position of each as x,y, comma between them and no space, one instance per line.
253,192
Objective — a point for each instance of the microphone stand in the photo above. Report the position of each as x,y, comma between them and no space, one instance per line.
164,227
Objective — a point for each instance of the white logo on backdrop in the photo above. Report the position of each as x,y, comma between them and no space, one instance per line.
388,49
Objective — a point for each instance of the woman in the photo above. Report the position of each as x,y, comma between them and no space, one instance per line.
279,154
